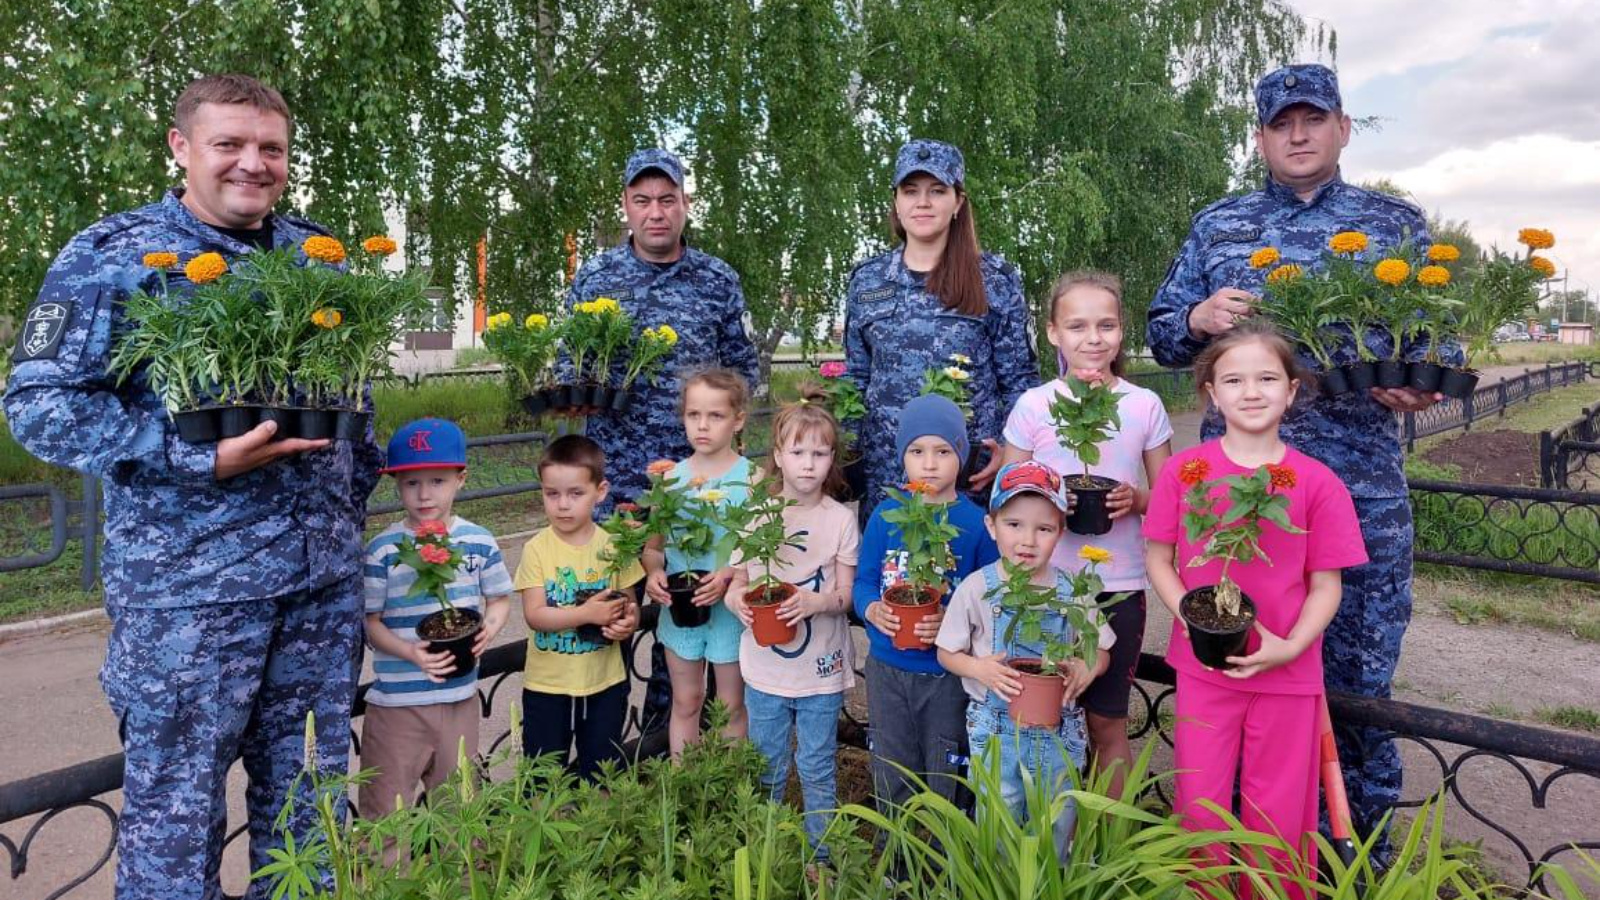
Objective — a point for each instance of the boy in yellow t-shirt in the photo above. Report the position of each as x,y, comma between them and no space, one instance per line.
575,687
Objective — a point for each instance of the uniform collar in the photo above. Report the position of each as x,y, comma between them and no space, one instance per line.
172,206
1286,194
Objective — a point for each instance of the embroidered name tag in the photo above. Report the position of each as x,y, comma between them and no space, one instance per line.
883,293
1236,236
40,336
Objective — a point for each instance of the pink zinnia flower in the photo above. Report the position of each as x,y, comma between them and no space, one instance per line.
432,528
433,553
1092,376
832,369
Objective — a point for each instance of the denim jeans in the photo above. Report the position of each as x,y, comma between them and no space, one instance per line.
1047,755
814,721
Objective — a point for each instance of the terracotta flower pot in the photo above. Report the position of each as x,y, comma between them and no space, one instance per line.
1212,638
454,631
911,608
768,629
1039,704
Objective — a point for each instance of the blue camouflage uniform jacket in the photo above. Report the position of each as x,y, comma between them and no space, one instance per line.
175,536
895,330
700,297
1354,435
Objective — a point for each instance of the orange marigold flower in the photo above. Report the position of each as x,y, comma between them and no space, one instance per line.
205,268
1264,257
659,467
1194,471
1536,238
379,245
327,318
1391,271
1443,253
1281,477
1433,276
1348,243
160,259
1284,273
325,249
1543,266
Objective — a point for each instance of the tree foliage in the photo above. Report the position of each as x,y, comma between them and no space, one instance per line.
1093,129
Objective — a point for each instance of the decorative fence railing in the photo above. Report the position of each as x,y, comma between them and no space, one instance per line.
1492,399
1569,456
1461,745
1524,531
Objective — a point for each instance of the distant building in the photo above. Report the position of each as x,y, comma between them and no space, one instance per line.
1576,333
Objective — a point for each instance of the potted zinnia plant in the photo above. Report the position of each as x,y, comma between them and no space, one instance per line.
849,408
926,533
1083,422
763,538
1048,630
687,516
1219,617
429,552
629,531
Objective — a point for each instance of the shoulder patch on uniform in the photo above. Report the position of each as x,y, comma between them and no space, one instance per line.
882,293
40,335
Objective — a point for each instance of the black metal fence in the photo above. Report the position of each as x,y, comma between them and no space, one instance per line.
1523,531
1492,400
1569,456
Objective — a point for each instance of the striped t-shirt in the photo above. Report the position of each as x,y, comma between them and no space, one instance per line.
388,588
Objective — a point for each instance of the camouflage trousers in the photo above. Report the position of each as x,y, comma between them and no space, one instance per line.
1360,650
196,688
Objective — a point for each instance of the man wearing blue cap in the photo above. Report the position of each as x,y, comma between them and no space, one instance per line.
660,280
935,301
1211,285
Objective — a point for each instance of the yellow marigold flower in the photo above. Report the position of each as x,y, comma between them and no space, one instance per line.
667,333
1443,253
957,373
496,321
1543,266
1391,271
606,305
1348,243
1094,554
1264,257
1536,238
327,318
160,259
1433,276
324,248
1284,273
536,320
205,268
379,245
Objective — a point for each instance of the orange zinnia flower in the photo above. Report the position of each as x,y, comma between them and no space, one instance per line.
1282,477
918,487
660,467
1194,471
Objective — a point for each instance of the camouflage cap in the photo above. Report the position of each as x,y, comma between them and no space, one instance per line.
1310,83
662,161
942,161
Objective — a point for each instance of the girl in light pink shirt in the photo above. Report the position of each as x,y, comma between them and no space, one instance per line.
1256,720
1086,328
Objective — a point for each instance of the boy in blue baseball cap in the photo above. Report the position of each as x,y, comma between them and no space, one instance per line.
419,715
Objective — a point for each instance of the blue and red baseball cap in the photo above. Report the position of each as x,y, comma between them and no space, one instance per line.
1027,477
426,444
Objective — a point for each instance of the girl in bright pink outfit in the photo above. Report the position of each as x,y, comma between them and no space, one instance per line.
1256,720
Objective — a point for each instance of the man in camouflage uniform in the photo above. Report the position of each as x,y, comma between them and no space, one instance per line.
232,570
896,330
660,280
1302,128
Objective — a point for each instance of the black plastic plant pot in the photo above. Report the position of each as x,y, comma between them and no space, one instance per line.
287,419
682,585
198,426
350,424
316,424
1213,641
623,401
593,395
1424,376
603,397
1459,383
1362,376
536,403
1333,382
1391,373
1090,514
237,419
453,631
590,633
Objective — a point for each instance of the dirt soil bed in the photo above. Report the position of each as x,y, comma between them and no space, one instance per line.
1491,457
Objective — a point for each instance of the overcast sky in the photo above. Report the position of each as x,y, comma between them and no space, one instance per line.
1490,108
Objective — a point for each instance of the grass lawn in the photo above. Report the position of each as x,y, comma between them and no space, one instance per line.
1490,598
